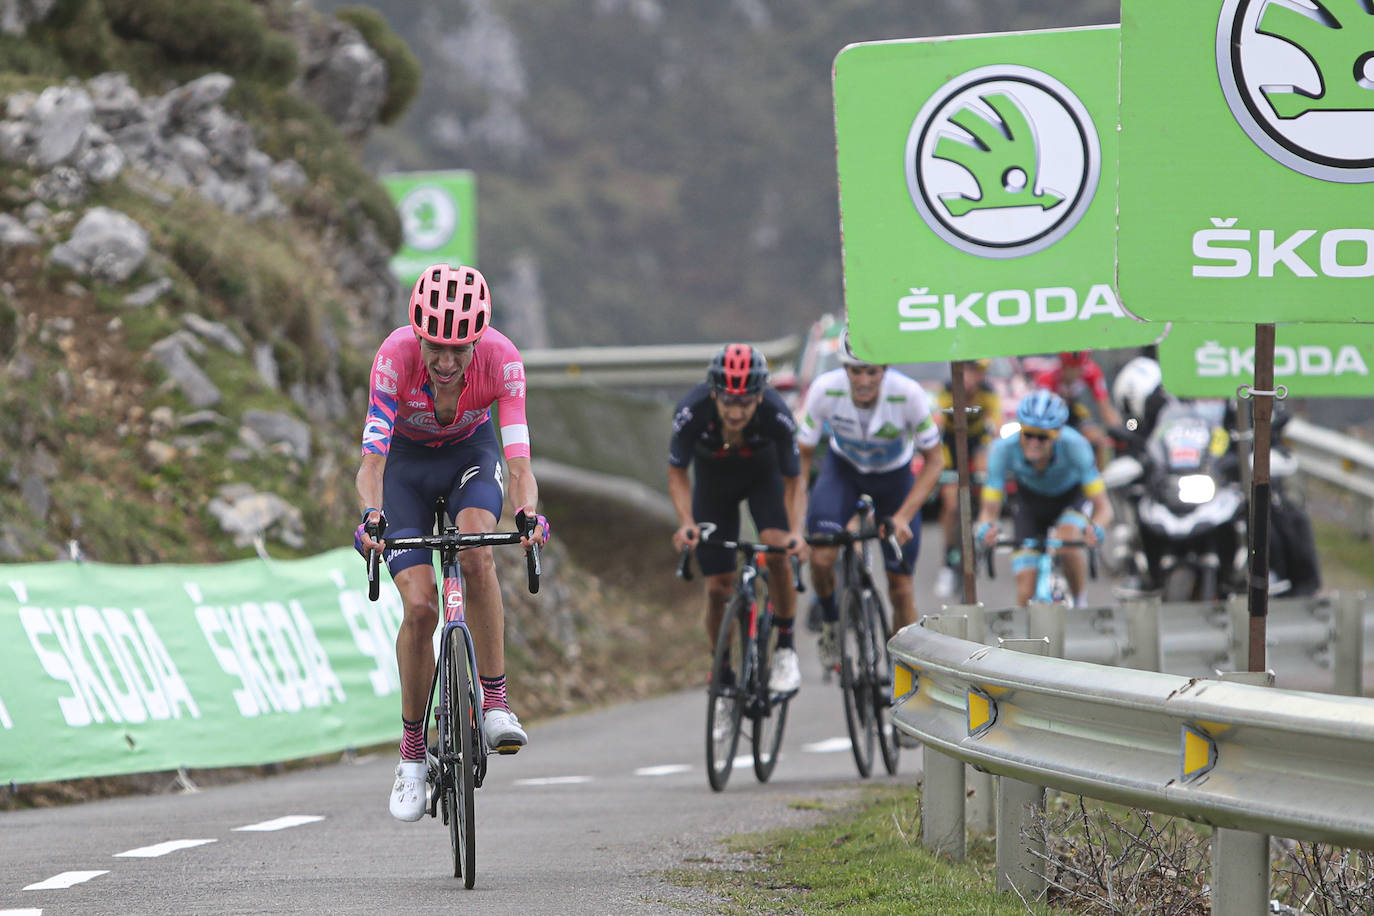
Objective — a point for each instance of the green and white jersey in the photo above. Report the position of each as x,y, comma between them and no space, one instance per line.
876,439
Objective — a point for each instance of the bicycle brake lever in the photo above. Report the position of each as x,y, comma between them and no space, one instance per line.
796,574
684,565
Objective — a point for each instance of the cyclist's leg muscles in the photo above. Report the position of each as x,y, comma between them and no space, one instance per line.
1032,514
475,499
1070,527
769,510
831,504
889,490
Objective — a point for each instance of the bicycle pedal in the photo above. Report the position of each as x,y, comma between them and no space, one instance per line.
507,749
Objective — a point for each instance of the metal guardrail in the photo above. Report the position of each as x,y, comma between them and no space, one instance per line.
1336,459
666,365
1232,755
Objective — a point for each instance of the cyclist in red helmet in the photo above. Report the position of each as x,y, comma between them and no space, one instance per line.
429,433
739,435
1078,379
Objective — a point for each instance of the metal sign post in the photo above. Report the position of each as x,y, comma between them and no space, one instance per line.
961,463
1263,394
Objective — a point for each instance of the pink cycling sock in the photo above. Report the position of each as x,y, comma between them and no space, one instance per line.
494,693
412,739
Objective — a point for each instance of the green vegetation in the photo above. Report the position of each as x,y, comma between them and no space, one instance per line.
227,35
867,860
402,68
1346,560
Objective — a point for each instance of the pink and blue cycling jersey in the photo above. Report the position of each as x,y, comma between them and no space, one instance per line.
402,400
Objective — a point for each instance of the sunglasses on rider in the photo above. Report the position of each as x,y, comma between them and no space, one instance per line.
1040,435
735,400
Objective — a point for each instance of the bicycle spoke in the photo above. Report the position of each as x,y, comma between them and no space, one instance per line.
854,687
724,697
462,754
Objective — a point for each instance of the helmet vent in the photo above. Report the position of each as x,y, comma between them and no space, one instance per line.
448,324
452,290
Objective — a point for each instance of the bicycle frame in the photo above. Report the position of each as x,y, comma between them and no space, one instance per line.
1048,565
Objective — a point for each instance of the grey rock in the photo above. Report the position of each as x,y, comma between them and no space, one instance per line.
36,214
343,76
105,244
13,137
288,175
171,354
17,15
201,418
101,164
36,495
272,427
266,364
215,332
14,234
56,122
148,293
62,187
251,515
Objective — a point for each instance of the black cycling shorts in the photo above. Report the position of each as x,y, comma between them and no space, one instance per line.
1033,514
718,489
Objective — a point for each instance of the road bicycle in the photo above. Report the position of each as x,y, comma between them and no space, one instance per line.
1051,585
458,761
741,666
865,667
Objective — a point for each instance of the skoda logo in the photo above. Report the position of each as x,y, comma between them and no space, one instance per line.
1298,76
1002,161
428,217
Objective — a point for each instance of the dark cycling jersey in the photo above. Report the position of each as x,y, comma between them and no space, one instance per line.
770,435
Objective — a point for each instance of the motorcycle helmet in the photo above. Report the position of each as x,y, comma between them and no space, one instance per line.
1134,384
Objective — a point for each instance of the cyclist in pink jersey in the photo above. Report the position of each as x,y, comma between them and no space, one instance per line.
429,433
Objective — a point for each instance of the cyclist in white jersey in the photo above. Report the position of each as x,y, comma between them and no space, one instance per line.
876,418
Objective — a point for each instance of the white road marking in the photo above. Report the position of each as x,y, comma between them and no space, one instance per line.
28,912
65,880
828,746
667,769
159,849
554,781
282,823
743,760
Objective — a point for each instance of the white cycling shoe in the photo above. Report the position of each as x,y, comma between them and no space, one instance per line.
786,674
503,731
408,793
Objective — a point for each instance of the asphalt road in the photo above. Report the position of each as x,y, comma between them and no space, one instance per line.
584,821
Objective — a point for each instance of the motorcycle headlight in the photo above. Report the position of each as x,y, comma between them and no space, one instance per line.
1196,489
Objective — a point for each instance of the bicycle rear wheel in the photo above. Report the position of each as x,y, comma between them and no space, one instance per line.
882,678
725,694
461,759
770,714
855,662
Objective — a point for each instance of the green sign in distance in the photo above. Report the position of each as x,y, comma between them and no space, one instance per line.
977,195
439,218
1247,160
1212,360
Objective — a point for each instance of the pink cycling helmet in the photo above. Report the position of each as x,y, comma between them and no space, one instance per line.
450,305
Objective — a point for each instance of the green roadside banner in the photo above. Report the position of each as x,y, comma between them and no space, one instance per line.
439,218
1247,160
1212,360
977,195
107,670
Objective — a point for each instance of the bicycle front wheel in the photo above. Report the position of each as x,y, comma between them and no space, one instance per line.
882,678
460,754
855,665
770,713
725,694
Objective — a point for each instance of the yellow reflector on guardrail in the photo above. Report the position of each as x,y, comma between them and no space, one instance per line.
982,712
1199,753
903,682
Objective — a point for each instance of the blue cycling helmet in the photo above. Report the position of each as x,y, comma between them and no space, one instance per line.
1042,409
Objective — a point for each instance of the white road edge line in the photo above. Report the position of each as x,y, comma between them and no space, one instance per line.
159,849
554,781
828,746
282,823
28,912
66,880
667,769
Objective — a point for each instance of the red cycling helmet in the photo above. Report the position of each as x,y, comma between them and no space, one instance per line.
738,369
1073,358
450,305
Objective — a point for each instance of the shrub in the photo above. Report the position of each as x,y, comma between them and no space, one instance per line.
223,34
402,67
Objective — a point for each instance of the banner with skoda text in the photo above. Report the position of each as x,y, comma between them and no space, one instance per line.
977,195
107,670
438,218
1310,360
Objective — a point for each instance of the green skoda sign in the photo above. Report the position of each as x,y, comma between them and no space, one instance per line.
977,195
1247,160
439,218
1212,360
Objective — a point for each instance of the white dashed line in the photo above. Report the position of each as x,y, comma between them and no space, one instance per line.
159,849
743,760
828,746
65,880
28,912
282,823
667,769
554,781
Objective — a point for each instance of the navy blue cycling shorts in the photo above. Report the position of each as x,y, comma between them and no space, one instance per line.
718,489
837,490
467,474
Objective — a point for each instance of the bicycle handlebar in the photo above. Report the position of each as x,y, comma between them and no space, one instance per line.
458,541
684,562
846,537
1039,545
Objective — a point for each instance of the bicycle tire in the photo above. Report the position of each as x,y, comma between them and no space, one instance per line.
728,680
856,692
770,717
883,677
461,751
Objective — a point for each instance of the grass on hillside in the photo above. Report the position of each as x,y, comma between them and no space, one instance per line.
866,860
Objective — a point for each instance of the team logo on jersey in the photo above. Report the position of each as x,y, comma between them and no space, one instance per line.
384,384
1002,161
514,376
1298,76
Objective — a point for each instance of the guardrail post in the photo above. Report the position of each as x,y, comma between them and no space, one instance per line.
1238,612
942,795
1048,620
1020,813
1347,633
1240,858
980,796
1142,634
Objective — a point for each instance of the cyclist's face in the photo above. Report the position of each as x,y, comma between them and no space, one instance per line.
1037,444
864,383
736,410
446,362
